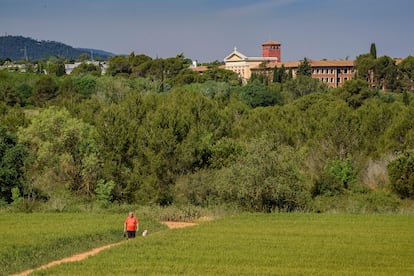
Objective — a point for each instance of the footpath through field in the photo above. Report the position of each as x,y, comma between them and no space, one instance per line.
81,256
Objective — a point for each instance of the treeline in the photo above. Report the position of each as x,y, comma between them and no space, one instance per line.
19,48
152,131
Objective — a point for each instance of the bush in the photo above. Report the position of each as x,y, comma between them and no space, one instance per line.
401,174
369,202
104,192
266,178
338,176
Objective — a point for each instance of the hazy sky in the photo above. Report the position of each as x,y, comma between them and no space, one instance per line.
208,30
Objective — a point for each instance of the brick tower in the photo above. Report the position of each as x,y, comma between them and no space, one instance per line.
272,49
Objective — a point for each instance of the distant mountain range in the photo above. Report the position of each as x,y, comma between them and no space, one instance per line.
21,48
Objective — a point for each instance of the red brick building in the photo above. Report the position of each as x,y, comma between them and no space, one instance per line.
272,49
332,72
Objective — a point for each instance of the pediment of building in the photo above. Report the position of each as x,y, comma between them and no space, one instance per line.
235,56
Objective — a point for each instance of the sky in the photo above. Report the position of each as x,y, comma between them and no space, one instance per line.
209,30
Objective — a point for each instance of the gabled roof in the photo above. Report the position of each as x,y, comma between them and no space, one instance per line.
235,55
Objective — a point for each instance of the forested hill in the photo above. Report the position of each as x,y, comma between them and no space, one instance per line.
19,48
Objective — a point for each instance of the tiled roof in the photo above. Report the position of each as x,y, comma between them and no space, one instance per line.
203,68
271,42
313,63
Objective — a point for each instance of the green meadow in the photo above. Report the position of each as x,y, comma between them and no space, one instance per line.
260,244
30,240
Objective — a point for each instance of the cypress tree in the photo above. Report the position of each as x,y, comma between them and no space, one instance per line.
373,50
276,75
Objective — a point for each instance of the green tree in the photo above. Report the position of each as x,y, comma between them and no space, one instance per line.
44,90
406,72
85,85
103,192
119,65
385,72
12,117
24,92
220,75
373,50
83,57
338,176
63,154
279,74
57,68
364,65
401,174
355,92
303,85
87,68
12,158
256,94
266,178
8,94
137,62
304,68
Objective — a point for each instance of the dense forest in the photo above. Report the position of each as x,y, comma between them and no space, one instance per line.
19,48
153,131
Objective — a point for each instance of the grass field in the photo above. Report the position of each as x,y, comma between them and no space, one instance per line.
30,240
276,244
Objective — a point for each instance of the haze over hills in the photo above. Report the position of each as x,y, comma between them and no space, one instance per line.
25,48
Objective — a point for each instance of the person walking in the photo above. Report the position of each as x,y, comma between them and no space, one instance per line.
131,226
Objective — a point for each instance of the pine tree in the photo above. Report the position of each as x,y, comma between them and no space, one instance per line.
304,68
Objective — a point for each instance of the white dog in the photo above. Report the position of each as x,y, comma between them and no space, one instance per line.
145,233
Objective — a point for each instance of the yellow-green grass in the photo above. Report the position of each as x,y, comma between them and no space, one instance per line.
30,240
258,244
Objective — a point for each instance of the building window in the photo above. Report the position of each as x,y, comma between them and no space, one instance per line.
345,71
338,80
332,80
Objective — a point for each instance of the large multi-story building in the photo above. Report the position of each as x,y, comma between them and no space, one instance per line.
332,72
243,65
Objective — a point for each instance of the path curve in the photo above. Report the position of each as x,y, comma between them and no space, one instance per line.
84,255
176,224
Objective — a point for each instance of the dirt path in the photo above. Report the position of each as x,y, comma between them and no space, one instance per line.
175,224
81,256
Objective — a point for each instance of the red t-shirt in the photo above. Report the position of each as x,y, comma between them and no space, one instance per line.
131,223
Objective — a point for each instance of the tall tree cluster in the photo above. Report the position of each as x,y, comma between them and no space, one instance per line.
150,133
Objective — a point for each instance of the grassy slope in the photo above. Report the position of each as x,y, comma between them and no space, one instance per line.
279,244
30,240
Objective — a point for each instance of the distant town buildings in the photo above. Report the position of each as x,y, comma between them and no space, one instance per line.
332,72
70,66
11,66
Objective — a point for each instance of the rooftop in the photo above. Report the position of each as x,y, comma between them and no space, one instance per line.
271,42
313,63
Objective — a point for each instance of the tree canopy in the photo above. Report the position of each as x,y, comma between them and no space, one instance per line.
153,131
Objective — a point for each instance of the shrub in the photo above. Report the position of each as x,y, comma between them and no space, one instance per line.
368,202
338,176
401,174
267,178
104,192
